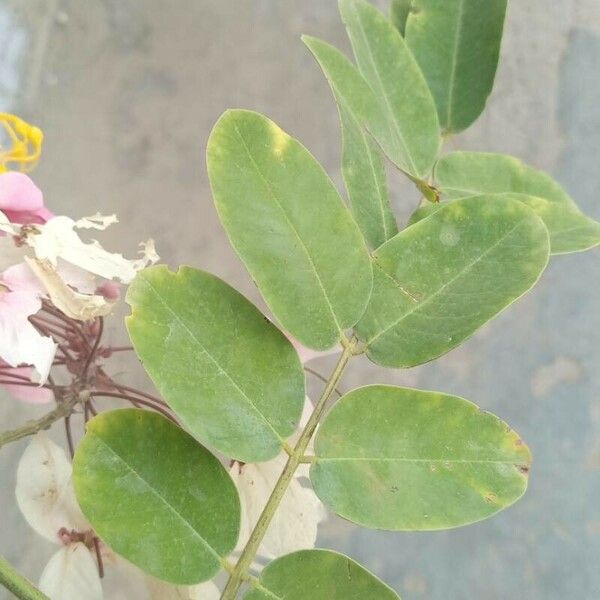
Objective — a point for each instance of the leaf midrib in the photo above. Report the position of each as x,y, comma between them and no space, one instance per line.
215,361
419,460
457,36
434,295
292,227
391,112
369,151
155,492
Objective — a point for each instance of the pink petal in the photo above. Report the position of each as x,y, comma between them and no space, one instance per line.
20,278
29,394
19,193
21,200
20,342
111,290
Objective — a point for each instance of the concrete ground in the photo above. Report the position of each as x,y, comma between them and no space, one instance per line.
127,91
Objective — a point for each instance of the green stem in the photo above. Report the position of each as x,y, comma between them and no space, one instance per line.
249,552
14,582
64,409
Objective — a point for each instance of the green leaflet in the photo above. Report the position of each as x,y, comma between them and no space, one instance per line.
365,178
457,45
231,376
399,11
318,575
441,279
402,459
155,496
394,76
570,230
362,165
461,174
289,225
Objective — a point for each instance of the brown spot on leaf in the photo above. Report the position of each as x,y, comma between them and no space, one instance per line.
490,498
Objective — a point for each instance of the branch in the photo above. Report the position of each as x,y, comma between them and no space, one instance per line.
240,571
64,409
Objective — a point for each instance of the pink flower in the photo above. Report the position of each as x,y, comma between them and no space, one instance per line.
20,342
110,290
21,200
29,394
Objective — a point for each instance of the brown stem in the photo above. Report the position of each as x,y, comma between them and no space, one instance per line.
132,390
99,557
26,383
147,403
92,353
16,376
69,435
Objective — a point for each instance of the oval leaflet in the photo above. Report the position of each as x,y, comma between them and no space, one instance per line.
403,459
155,496
230,375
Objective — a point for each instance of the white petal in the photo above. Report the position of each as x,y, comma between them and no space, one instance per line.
98,221
122,580
20,342
10,253
44,491
205,591
149,255
71,574
82,307
81,280
7,227
57,239
294,526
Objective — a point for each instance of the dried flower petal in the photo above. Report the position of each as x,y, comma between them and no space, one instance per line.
82,307
58,239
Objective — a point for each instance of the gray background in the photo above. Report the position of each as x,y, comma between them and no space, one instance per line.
127,91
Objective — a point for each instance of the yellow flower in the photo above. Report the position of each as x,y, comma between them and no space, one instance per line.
25,144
